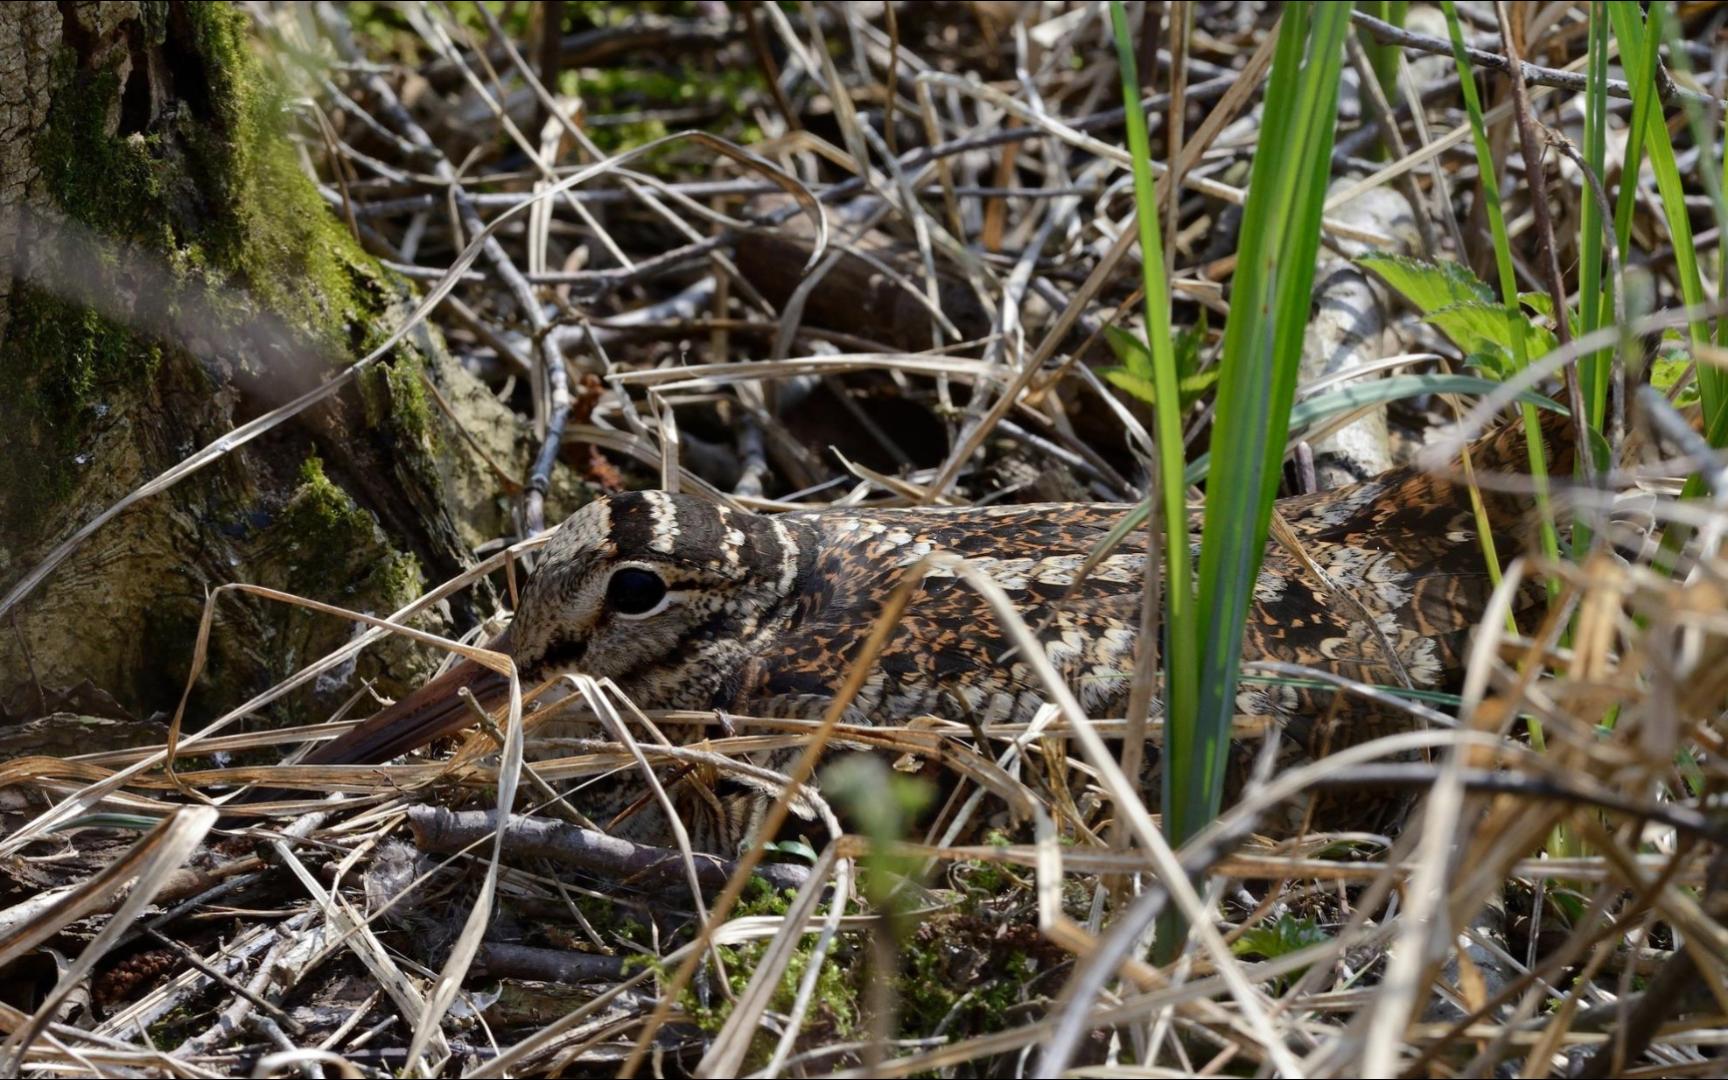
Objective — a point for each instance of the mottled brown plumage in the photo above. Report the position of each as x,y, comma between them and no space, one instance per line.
689,605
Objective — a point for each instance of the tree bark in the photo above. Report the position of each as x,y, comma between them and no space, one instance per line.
168,272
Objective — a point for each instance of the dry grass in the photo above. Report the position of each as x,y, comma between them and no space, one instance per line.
1008,933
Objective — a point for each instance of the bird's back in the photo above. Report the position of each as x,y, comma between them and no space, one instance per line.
1399,559
1402,582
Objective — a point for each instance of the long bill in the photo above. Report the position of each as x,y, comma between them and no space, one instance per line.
431,712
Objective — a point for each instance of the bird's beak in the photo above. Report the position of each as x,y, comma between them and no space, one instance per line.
431,712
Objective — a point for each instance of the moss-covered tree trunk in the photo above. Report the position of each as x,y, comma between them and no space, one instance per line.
167,271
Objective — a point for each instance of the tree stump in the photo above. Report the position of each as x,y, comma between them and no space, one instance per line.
168,271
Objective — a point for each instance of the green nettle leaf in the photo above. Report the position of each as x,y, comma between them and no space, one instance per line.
1281,938
1135,375
1667,370
1496,365
1540,303
1428,287
1475,326
1192,386
1483,327
1538,340
1463,307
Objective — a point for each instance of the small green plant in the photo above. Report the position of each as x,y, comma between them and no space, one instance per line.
1638,40
1461,306
836,1006
883,805
797,848
1135,372
1281,937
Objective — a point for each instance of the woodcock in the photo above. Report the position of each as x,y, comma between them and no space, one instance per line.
689,605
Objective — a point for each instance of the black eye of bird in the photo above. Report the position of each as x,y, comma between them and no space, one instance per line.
634,591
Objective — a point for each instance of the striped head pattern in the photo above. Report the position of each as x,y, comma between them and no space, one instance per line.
666,594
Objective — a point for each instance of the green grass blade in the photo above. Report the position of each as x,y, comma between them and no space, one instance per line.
1269,310
1384,58
1623,19
1179,635
1594,299
1509,294
1712,176
1638,50
1638,44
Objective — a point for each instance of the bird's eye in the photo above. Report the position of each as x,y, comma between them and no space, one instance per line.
634,591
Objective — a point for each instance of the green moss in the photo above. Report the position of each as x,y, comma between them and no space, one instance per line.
629,90
962,965
109,182
834,1004
635,931
412,413
321,512
615,921
761,899
335,547
270,224
398,579
834,1009
925,996
983,882
383,33
61,361
211,186
294,254
173,1027
395,399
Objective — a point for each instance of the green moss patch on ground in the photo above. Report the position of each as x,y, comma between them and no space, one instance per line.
835,1009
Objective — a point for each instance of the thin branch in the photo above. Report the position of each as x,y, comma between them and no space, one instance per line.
1387,34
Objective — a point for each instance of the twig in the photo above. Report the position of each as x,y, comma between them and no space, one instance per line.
192,959
609,857
1387,34
501,960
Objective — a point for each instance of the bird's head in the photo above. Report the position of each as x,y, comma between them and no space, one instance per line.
661,593
633,586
